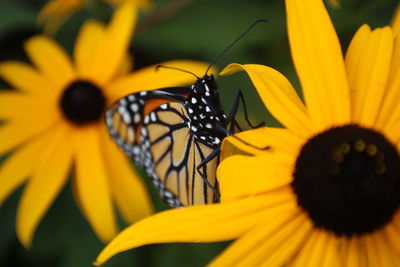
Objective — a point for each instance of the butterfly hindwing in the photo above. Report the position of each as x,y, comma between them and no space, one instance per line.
174,155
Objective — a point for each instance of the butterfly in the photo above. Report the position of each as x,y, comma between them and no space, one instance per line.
176,133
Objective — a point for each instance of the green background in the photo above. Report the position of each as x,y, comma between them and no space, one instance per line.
197,30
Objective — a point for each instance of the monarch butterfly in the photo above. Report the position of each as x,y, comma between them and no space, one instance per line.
176,134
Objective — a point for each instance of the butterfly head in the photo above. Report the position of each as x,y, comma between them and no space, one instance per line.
205,86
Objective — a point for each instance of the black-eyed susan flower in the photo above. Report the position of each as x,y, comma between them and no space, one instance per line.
326,193
53,125
55,12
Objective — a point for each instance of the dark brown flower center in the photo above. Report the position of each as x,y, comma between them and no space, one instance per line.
348,180
82,102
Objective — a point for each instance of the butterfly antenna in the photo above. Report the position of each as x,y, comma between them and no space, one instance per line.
175,68
234,42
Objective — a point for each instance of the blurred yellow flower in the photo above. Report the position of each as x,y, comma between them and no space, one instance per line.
55,12
326,193
54,122
334,3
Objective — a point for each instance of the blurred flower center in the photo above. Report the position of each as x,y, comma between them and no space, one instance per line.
82,102
348,179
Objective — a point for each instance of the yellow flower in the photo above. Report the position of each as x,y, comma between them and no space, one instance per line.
54,121
55,12
326,193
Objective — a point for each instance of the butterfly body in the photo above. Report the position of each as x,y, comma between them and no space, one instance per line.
205,112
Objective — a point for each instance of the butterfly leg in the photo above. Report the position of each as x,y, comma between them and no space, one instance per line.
239,98
202,165
228,133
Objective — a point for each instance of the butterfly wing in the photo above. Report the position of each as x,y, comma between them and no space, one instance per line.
173,156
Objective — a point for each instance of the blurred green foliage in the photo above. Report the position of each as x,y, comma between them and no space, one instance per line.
197,29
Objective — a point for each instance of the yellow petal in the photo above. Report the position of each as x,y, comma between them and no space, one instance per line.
379,252
372,251
250,249
117,38
16,168
127,187
392,234
281,244
265,138
313,253
278,95
16,132
395,65
387,253
88,52
149,78
242,176
51,59
48,178
355,253
125,67
390,110
391,131
202,223
319,62
93,184
332,257
368,63
17,105
396,21
24,78
55,12
353,55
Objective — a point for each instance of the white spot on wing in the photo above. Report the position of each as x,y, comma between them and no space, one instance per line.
136,118
135,107
153,116
127,118
121,109
123,101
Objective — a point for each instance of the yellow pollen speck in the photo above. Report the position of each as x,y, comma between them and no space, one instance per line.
337,156
371,150
359,145
335,169
380,168
345,148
